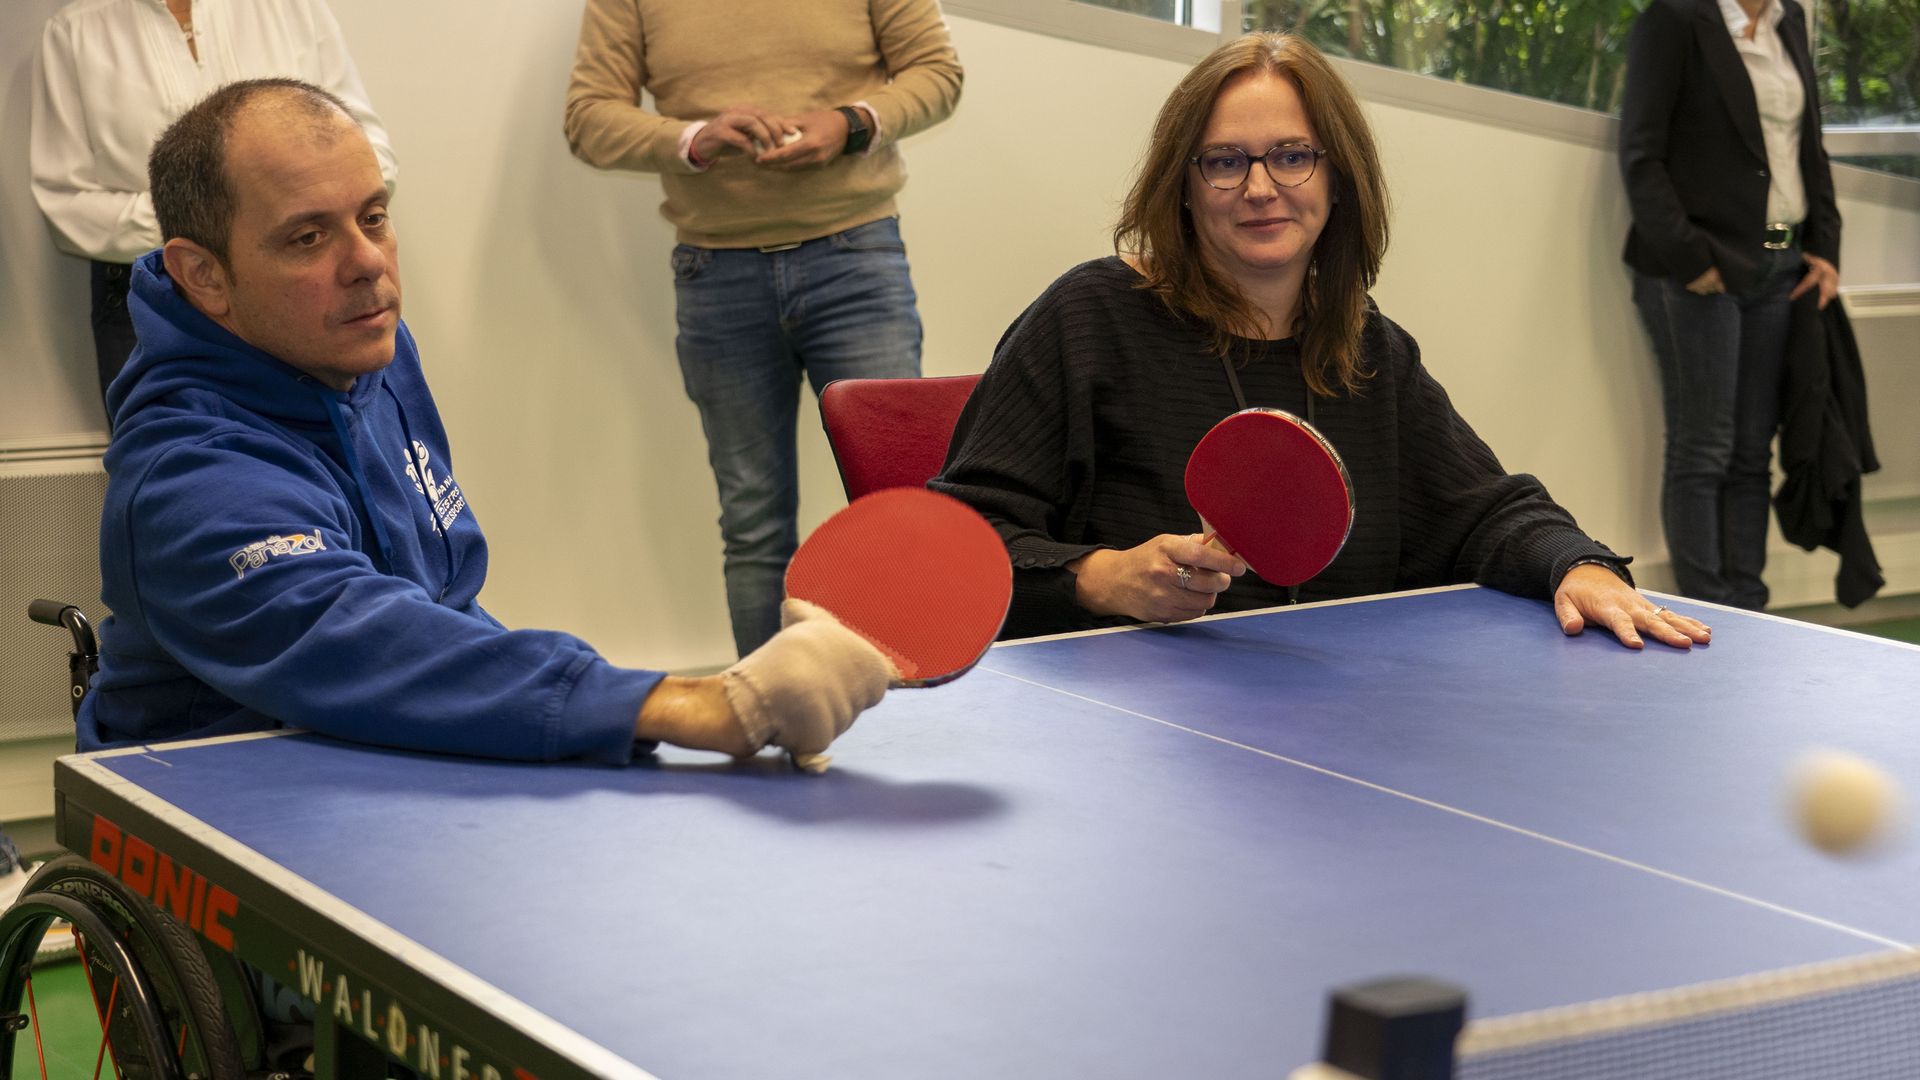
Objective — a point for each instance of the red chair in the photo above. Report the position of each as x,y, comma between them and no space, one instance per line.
891,432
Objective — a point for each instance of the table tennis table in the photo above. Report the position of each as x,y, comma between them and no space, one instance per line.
1138,853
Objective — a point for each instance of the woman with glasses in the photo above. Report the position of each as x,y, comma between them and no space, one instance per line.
1247,244
1733,219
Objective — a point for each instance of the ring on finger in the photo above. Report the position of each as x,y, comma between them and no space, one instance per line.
1663,612
1185,574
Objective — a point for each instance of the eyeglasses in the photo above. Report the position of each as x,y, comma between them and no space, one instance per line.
1226,167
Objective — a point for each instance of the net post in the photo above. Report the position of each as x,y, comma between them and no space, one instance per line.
1390,1029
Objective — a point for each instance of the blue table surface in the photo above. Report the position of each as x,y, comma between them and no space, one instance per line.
1118,854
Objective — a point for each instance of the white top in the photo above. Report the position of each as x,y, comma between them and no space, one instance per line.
1778,92
112,74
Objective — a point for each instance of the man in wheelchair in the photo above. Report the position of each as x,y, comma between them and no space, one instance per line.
285,542
268,550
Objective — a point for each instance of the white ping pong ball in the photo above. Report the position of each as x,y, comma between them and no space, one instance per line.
1842,802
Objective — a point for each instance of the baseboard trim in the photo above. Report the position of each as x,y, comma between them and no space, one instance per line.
33,836
1801,582
1877,610
26,777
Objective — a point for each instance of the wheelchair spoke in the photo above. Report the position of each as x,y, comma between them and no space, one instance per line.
33,1017
106,1034
106,1015
151,1000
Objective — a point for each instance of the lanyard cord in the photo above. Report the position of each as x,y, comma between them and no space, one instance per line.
1240,403
1240,398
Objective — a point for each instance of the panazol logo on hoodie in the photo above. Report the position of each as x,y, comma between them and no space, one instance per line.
256,554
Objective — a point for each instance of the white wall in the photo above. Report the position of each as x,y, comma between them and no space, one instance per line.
46,360
539,291
1505,265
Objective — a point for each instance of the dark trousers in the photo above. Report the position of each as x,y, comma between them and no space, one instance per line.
1722,360
113,338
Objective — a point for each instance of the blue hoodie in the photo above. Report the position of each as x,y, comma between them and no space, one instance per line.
278,553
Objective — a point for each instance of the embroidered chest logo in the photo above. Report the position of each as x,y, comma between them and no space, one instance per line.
255,555
443,494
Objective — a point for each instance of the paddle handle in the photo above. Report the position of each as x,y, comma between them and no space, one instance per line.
1212,538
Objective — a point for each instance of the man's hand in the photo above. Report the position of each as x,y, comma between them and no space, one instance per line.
738,129
799,691
1146,582
1595,594
823,135
1821,275
693,713
804,687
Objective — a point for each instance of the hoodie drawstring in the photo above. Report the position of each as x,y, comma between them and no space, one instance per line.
359,477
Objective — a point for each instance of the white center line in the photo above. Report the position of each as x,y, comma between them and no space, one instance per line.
1481,818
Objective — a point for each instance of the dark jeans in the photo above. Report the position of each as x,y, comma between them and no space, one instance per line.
113,338
1722,361
752,323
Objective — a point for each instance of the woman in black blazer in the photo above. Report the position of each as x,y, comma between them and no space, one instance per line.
1733,217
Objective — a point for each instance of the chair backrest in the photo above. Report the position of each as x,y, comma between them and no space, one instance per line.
891,432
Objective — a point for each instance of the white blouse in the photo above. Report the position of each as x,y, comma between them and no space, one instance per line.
1781,98
112,75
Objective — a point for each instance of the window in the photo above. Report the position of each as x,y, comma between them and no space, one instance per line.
1166,10
1868,56
1567,51
1573,52
1199,14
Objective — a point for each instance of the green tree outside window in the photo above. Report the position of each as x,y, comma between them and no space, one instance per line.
1573,52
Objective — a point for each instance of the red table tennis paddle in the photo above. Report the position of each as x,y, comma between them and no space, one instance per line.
919,574
1273,491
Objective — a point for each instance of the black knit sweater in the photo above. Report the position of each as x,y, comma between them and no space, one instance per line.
1078,436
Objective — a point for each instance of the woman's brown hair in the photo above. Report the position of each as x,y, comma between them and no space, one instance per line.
1157,229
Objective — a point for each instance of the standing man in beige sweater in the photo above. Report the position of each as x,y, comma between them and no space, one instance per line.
776,140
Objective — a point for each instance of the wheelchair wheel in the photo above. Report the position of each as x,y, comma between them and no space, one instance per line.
156,1007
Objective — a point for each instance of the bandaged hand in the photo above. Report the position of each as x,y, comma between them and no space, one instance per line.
804,687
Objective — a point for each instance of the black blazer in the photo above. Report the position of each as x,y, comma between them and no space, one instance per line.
1826,446
1691,151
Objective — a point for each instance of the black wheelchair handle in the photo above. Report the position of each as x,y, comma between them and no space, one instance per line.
46,611
85,645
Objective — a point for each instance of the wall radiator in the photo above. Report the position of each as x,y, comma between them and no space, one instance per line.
50,497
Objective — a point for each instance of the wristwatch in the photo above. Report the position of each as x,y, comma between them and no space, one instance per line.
858,133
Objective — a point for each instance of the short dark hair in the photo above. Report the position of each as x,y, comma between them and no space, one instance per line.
187,170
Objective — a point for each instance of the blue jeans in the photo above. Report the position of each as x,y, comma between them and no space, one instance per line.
1722,362
751,323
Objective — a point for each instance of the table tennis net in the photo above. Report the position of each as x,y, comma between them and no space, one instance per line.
1857,1019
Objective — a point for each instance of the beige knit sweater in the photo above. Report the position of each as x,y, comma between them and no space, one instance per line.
697,57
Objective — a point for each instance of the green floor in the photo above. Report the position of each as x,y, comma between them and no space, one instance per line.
66,1014
1899,629
63,1000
